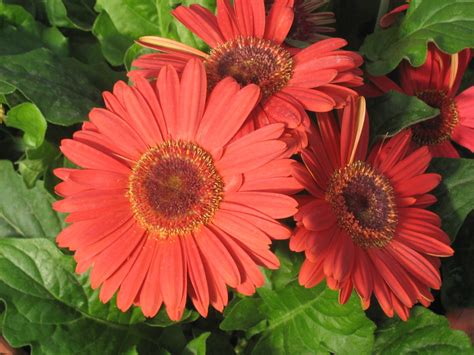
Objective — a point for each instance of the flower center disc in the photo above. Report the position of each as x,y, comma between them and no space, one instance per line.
174,188
251,60
440,128
364,203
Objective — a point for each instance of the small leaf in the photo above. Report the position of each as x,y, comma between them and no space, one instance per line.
423,333
26,211
448,23
305,321
392,112
455,193
28,118
197,346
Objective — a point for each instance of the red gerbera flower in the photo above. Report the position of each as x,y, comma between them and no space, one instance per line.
436,82
309,25
391,17
166,205
364,224
247,45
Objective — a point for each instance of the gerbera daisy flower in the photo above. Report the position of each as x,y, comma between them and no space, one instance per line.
165,205
248,46
436,82
309,24
364,225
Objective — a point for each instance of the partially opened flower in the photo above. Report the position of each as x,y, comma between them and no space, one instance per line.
364,225
391,17
168,203
309,25
436,82
248,46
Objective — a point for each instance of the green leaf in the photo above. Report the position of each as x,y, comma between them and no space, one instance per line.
114,45
55,311
26,211
424,333
290,264
455,193
124,22
28,118
448,23
304,321
70,13
56,41
197,346
38,163
392,112
242,314
62,92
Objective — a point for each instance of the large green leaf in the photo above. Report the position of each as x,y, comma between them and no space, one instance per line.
455,193
424,333
392,112
304,321
448,23
62,92
122,22
25,211
56,312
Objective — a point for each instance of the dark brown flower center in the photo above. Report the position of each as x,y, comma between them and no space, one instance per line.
439,128
364,203
174,188
251,60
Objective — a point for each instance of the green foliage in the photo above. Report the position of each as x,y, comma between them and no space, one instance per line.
120,23
57,311
303,320
455,193
197,346
448,23
24,212
424,333
30,120
392,112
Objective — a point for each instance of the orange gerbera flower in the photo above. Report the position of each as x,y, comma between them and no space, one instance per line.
364,224
247,45
168,203
436,82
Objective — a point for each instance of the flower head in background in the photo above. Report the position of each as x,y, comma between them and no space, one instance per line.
364,225
391,17
167,204
247,45
437,83
309,25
